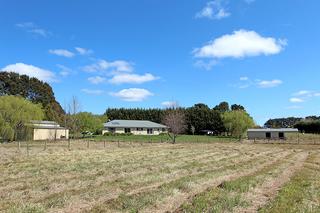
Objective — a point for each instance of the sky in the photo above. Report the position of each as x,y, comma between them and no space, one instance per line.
262,54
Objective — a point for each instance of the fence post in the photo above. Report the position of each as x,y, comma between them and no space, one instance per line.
69,144
118,143
104,144
45,145
19,145
88,144
27,148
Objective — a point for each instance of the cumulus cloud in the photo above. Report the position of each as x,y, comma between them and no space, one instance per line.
103,65
132,78
92,92
83,51
31,71
169,104
246,82
239,44
214,10
97,80
132,94
31,27
62,52
269,84
296,100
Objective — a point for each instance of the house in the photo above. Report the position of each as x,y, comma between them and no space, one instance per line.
48,130
136,127
269,133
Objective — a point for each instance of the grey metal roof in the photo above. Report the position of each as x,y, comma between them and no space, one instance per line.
133,124
44,122
273,130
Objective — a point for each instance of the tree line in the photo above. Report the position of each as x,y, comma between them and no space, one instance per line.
309,124
199,118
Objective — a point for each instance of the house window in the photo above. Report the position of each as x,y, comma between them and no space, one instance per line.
111,130
139,129
149,131
268,135
127,130
163,129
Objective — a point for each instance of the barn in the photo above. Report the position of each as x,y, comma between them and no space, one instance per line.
270,134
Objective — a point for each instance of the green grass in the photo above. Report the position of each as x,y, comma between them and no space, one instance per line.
302,193
165,138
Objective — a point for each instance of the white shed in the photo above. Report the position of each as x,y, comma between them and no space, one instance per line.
269,133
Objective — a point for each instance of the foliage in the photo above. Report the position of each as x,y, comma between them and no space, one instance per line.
308,126
201,117
34,90
222,107
87,121
282,122
237,122
15,113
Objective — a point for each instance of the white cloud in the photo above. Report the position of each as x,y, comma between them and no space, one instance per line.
239,44
31,71
269,84
132,94
296,100
97,80
132,78
31,27
83,51
244,78
64,71
214,10
103,65
205,65
92,92
62,52
169,104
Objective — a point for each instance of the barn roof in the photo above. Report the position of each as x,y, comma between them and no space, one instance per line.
133,124
274,130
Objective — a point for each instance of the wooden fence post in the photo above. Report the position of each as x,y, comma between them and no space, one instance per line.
88,144
45,145
104,144
118,143
27,148
69,144
19,145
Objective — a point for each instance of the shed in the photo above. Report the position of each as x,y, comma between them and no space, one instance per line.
270,133
48,130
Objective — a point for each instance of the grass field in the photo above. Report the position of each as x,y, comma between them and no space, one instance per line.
160,177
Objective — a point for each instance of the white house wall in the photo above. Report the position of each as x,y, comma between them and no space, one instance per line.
134,131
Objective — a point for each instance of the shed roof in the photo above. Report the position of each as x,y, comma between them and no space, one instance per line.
133,124
274,130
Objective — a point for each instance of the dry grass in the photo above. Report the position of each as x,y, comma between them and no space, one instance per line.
147,177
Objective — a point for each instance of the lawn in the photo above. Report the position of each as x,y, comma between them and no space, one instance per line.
159,177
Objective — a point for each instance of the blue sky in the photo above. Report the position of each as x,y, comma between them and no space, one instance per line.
258,53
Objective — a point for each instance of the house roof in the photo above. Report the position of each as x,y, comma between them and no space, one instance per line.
133,124
274,130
